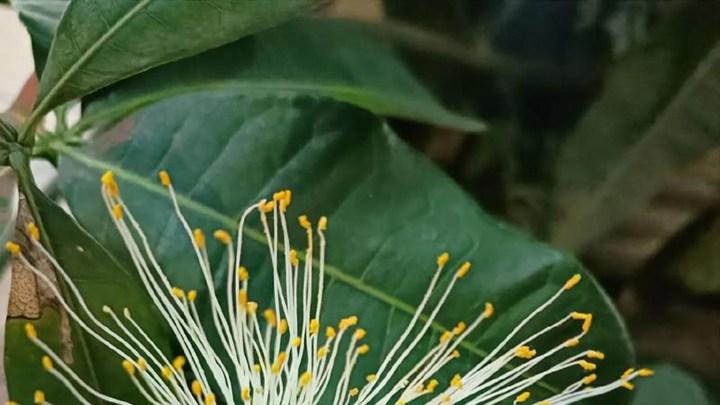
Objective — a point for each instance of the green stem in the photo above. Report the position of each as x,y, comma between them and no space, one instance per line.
20,163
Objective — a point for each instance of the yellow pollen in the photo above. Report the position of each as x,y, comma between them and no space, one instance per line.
322,352
179,293
646,372
199,238
431,385
463,270
279,361
525,352
359,333
329,332
447,335
39,397
117,211
192,295
594,354
523,397
267,207
304,222
322,223
589,379
242,298
294,257
164,178
348,322
305,378
252,307
456,382
30,331
243,274
166,373
285,202
196,388
47,363
210,399
364,349
455,354
314,326
628,373
179,362
587,323
354,392
128,366
296,341
33,231
572,342
489,310
371,378
443,259
459,328
282,327
245,395
13,248
587,366
142,364
270,317
572,282
257,368
109,183
628,385
222,236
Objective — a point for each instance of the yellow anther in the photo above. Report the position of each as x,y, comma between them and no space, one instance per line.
322,352
178,292
305,378
628,385
192,295
571,342
164,178
594,354
285,202
222,237
257,368
13,248
587,323
572,281
371,378
364,349
39,397
431,385
242,298
199,238
587,366
360,333
589,379
459,328
117,211
166,373
522,397
330,332
128,366
304,222
579,316
456,382
210,399
142,364
245,394
463,270
489,310
447,335
455,354
294,257
525,352
296,341
243,274
279,195
279,361
270,317
179,362
645,372
443,259
282,327
33,231
252,307
322,223
196,388
109,183
348,322
11,403
627,373
30,331
354,392
267,207
47,363
314,327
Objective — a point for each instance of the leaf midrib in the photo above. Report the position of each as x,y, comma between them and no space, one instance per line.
331,270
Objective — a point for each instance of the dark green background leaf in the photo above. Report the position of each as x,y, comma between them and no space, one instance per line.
41,19
345,60
670,386
99,277
390,211
99,43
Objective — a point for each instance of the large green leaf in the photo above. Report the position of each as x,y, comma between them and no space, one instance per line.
345,60
100,42
670,386
41,19
391,212
99,278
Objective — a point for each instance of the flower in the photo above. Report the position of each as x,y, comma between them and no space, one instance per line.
285,354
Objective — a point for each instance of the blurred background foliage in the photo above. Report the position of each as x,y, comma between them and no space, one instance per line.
604,140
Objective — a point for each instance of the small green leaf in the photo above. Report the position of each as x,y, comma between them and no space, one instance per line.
390,212
99,42
670,386
345,60
100,278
